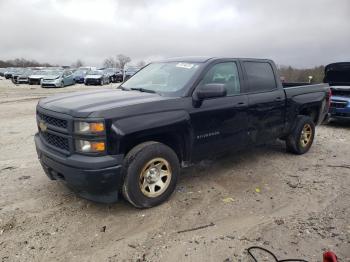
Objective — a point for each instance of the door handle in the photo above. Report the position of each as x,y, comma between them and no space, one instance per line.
241,104
278,98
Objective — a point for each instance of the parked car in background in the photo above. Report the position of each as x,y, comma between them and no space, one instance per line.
337,75
96,77
129,72
58,78
119,76
112,74
24,77
79,75
18,73
2,71
36,76
9,72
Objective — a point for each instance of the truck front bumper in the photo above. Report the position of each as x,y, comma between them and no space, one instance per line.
95,178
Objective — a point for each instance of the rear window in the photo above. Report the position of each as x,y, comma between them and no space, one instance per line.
260,76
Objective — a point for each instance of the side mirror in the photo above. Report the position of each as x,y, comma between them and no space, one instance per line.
208,91
211,91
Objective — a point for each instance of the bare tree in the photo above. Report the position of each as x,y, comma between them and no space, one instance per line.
123,60
141,63
78,63
109,62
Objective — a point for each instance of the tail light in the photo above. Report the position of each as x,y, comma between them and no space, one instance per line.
329,97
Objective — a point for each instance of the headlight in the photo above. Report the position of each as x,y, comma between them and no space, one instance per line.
84,146
89,127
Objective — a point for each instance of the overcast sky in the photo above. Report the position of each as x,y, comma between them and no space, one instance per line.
301,33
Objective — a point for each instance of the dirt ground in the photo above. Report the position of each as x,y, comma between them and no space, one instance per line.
295,206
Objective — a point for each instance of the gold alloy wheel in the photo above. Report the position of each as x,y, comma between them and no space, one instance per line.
155,177
306,134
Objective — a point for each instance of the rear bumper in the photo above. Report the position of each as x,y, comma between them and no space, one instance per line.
95,178
340,113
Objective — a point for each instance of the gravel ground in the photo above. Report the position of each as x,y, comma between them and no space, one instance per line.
295,206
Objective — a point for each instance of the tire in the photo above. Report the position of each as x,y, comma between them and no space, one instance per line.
302,136
138,171
62,84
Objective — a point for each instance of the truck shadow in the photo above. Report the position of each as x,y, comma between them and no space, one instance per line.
205,171
231,160
339,124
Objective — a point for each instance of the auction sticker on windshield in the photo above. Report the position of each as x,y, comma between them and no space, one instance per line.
185,65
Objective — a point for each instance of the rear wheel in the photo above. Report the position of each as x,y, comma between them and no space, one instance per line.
302,136
151,171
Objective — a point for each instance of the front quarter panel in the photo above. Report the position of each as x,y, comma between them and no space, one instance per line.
150,125
139,123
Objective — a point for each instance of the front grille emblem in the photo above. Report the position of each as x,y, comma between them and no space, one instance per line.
42,126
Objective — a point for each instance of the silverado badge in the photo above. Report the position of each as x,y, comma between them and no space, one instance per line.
42,126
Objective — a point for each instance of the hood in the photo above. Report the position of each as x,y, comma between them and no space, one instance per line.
79,75
93,76
36,76
82,104
51,77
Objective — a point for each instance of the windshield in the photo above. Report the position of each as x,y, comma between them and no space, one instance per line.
80,72
96,73
165,77
52,72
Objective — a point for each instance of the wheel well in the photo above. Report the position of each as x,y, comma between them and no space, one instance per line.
173,140
311,112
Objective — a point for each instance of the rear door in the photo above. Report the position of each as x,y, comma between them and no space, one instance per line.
266,101
221,123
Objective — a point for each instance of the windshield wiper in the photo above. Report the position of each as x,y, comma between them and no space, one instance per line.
123,88
143,90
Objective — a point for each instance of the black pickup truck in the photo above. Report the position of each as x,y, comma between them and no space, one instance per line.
168,115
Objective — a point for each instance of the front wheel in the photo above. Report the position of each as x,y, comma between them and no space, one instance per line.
151,171
302,136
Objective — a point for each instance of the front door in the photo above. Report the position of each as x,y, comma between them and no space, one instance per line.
220,123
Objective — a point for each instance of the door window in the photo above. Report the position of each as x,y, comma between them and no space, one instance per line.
224,73
260,76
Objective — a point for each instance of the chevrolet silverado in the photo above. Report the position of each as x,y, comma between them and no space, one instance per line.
135,139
